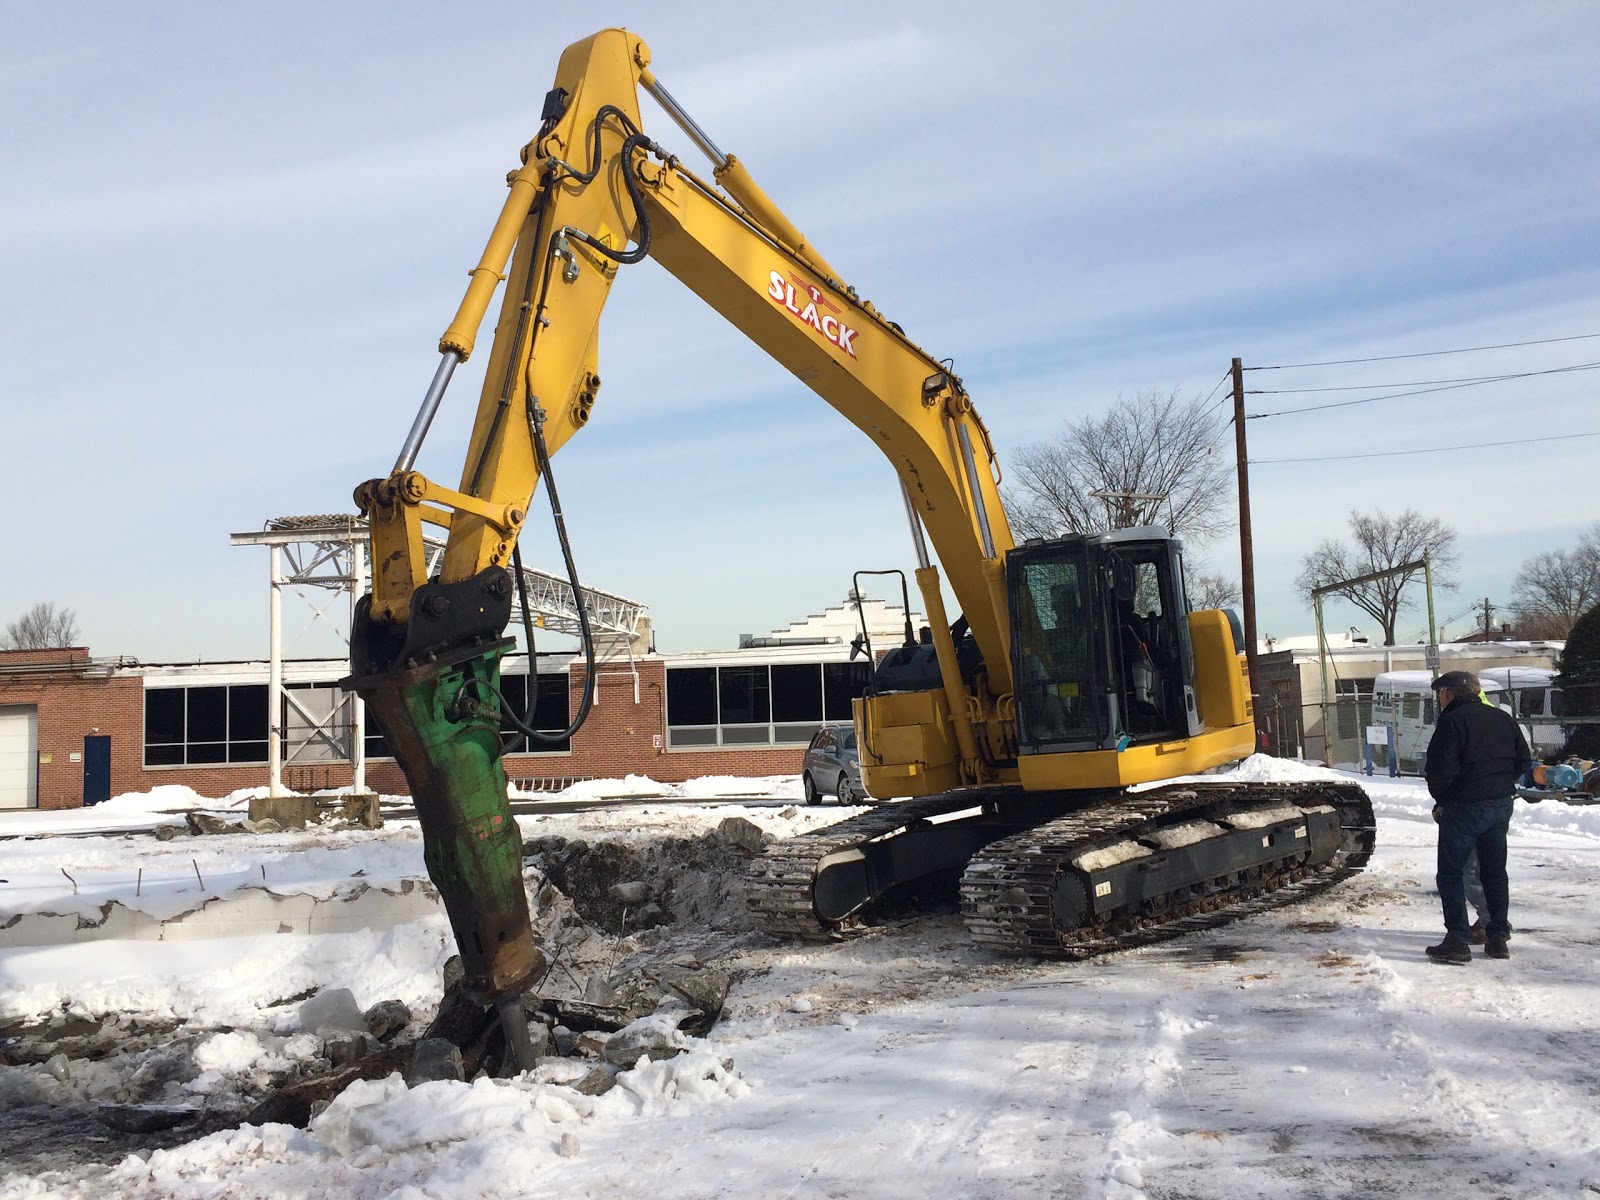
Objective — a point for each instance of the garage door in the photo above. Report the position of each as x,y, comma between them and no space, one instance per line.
19,758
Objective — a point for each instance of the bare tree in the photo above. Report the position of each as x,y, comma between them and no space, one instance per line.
1381,543
1554,589
42,627
1154,459
1212,589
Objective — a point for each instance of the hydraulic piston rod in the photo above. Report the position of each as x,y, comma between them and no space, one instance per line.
430,406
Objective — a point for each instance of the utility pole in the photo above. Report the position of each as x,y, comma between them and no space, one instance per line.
1488,617
1247,561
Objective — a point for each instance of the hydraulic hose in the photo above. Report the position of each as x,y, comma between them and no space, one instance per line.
586,633
634,140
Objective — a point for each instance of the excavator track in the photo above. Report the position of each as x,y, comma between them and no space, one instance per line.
1010,885
1008,888
780,882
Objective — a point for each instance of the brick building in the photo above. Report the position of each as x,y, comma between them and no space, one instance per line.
76,729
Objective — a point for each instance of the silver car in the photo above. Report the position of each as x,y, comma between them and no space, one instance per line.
832,767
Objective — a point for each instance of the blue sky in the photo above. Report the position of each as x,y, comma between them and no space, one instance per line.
231,236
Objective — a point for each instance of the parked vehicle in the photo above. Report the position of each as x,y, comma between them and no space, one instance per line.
1537,705
832,767
1404,701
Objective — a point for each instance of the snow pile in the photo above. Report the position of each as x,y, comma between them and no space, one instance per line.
169,797
1110,856
1264,768
599,789
379,1138
227,1059
228,981
710,787
228,1052
1408,799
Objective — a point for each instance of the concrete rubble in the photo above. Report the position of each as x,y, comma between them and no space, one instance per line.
632,929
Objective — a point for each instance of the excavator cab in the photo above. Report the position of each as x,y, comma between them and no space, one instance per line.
1101,641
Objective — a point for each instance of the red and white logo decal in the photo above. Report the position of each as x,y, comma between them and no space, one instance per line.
809,306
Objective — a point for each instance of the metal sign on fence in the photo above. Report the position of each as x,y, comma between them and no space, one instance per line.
1380,735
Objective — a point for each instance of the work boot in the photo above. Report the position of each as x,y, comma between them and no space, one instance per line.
1452,950
1497,947
1477,934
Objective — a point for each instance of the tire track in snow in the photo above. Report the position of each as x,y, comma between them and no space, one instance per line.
1406,1072
1098,1063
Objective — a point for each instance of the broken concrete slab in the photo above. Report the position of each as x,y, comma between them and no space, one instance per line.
655,1037
332,1009
342,1051
744,833
386,1018
596,1083
435,1059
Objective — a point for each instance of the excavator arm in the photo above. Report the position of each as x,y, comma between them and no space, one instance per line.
591,185
594,194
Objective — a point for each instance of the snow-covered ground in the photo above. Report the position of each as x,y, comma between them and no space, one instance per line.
1311,1051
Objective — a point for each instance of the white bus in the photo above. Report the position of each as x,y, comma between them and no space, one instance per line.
1404,701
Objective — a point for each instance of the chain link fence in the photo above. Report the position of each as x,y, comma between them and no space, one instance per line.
1285,734
1348,718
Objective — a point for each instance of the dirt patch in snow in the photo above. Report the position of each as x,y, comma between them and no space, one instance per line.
620,885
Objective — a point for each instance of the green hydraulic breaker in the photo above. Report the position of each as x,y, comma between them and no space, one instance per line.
441,717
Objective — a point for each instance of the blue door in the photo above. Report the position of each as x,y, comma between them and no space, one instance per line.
96,769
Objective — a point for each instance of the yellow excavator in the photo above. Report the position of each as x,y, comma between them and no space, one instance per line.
1022,739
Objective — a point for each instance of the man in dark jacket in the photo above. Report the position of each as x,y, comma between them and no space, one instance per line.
1474,761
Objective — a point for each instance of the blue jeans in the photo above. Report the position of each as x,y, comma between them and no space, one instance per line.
1475,896
1463,829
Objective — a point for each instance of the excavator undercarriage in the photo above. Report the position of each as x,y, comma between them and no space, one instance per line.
1119,869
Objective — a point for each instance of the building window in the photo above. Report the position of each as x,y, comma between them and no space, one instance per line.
205,725
780,704
374,743
1353,706
841,684
551,712
744,696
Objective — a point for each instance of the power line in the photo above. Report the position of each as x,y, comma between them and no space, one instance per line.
1226,375
1345,362
1564,437
1448,387
1418,383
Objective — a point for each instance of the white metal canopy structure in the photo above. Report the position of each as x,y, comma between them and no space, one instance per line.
329,551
